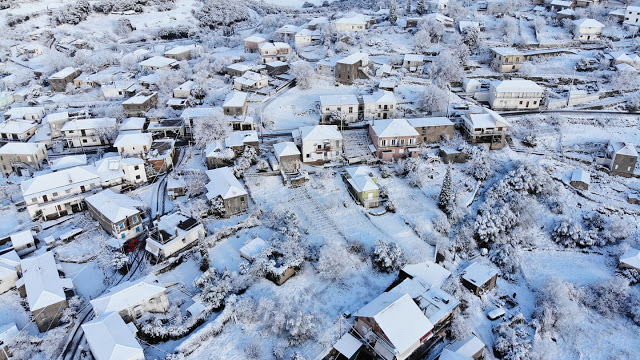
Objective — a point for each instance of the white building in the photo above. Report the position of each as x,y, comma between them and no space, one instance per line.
132,299
183,52
412,62
515,95
252,43
118,214
321,143
23,242
250,81
277,51
345,107
632,14
17,130
60,193
88,132
398,324
224,185
25,157
174,233
110,338
380,105
119,89
35,113
587,29
115,171
355,23
137,145
487,128
436,5
306,37
184,91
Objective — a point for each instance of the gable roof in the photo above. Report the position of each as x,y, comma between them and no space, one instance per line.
287,148
115,207
133,139
581,175
429,272
20,148
631,258
320,132
623,148
42,282
128,294
393,128
334,100
88,124
67,178
399,318
235,99
111,339
517,85
223,183
478,274
380,96
588,23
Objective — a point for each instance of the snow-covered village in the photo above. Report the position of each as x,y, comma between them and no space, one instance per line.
319,179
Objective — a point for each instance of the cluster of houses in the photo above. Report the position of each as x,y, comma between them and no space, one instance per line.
404,321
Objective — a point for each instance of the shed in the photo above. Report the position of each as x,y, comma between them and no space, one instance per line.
630,259
479,278
580,179
253,248
348,346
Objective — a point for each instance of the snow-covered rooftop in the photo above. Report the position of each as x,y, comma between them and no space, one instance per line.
518,86
354,58
506,51
430,121
158,62
89,124
468,346
68,161
110,338
42,282
253,248
623,148
285,149
223,183
132,123
22,238
67,178
580,175
478,274
16,126
63,73
235,99
140,98
7,333
429,272
115,207
128,294
19,148
196,112
338,100
588,23
380,96
134,139
631,258
347,345
255,38
180,49
320,132
393,128
399,318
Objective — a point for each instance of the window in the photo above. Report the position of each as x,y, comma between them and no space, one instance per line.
135,218
136,167
383,142
242,199
137,177
350,109
412,141
84,140
401,142
137,228
121,225
520,102
535,102
393,142
55,194
122,235
34,200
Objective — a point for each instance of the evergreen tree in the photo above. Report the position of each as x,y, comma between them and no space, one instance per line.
408,7
420,9
393,12
444,201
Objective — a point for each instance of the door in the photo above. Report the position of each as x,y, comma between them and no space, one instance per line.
44,198
527,104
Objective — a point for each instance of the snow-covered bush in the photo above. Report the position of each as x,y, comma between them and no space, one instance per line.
300,327
73,13
513,341
334,261
447,68
557,307
74,306
119,260
210,128
506,257
123,27
387,256
569,233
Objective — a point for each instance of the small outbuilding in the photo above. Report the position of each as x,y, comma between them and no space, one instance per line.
479,278
580,179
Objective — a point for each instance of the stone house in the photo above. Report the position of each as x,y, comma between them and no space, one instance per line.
224,185
506,59
59,80
351,68
139,104
288,156
622,157
15,157
432,130
117,214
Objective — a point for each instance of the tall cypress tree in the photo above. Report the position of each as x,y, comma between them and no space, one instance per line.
444,202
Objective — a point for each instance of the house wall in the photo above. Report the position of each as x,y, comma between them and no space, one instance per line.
579,185
157,304
623,165
178,244
82,138
632,15
506,64
514,100
236,205
19,137
49,317
60,85
134,174
235,110
185,55
311,153
350,27
389,152
290,163
132,226
349,110
136,150
141,108
587,33
326,70
434,134
347,73
377,110
35,160
251,46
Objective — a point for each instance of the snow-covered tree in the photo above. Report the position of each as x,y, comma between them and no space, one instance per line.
217,206
625,80
123,27
479,167
446,197
119,260
420,7
509,29
388,256
217,13
73,308
557,307
334,261
434,99
301,327
210,128
304,74
446,68
408,10
470,36
513,341
393,12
